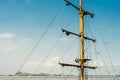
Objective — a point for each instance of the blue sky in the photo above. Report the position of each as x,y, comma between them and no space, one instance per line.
22,23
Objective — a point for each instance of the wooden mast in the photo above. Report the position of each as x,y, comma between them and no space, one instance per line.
81,60
81,41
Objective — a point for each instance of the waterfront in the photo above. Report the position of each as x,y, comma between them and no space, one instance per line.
50,78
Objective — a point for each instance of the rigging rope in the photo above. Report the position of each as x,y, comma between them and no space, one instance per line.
102,60
53,48
53,68
40,38
107,51
37,43
49,52
96,50
105,48
70,20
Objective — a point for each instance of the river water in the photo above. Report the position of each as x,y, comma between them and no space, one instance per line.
49,78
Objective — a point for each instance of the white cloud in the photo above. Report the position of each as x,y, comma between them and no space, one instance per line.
6,35
35,63
101,64
25,40
32,65
8,48
52,61
96,64
8,45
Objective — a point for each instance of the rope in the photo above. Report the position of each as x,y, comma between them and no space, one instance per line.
37,43
40,38
49,52
66,52
107,51
103,60
105,48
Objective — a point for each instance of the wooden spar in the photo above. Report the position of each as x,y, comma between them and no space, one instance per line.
79,35
75,65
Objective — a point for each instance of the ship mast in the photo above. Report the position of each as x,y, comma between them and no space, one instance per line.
81,41
81,60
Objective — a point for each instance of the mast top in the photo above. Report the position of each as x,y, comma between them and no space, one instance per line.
80,4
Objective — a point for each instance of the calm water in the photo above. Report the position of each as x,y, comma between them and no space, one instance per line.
49,78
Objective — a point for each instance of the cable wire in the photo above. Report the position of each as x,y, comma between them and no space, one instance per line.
102,60
49,52
40,38
37,43
107,51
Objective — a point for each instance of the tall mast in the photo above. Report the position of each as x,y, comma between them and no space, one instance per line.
81,41
81,60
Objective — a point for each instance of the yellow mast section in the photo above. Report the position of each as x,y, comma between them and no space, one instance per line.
81,41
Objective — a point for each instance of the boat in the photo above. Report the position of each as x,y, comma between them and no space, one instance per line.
81,60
